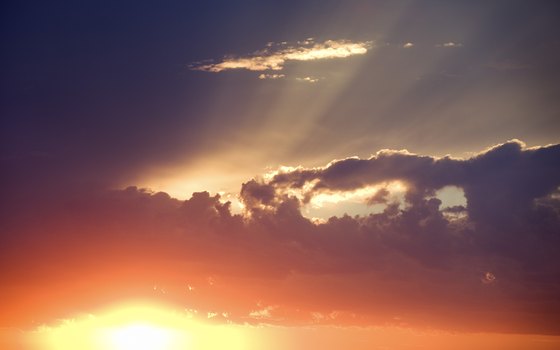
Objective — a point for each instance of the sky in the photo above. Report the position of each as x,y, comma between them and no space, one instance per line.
288,174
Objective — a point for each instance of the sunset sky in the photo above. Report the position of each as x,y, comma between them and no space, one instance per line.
271,175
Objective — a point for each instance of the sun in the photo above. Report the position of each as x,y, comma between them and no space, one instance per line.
144,327
142,337
140,326
137,326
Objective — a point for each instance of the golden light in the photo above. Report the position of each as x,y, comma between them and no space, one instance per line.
142,337
138,326
157,327
360,195
354,202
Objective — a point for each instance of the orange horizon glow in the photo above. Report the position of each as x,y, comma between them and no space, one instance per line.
138,325
144,325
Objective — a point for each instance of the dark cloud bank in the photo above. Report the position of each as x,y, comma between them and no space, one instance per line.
492,265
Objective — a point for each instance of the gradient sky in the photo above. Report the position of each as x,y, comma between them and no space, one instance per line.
389,165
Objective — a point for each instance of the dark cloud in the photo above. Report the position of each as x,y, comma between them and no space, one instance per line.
494,269
503,180
379,197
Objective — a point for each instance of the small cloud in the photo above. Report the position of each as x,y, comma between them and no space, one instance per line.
455,212
271,76
308,79
488,278
307,41
408,45
450,44
317,316
274,56
264,313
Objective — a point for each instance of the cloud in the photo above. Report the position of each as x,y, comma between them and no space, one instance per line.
275,56
308,79
488,278
264,313
491,171
271,76
379,197
450,44
492,268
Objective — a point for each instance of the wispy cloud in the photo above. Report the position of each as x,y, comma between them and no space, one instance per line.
308,79
450,44
275,56
271,76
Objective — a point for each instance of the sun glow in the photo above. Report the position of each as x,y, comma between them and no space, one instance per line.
142,337
137,327
324,204
359,195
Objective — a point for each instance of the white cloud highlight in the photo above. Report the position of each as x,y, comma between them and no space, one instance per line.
274,57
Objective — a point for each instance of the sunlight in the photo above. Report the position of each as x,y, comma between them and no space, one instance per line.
354,202
359,195
138,327
141,337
